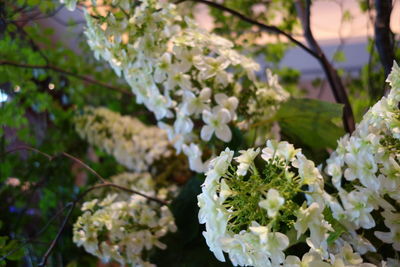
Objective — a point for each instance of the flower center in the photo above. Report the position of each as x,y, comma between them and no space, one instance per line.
247,191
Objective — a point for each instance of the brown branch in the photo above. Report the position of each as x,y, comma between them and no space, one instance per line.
36,16
314,50
80,196
267,28
31,42
66,72
54,242
37,235
384,39
80,162
73,205
105,183
333,77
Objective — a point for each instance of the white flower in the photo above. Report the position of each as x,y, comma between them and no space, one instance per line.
392,221
194,154
283,150
178,78
165,58
163,67
310,259
111,232
186,56
133,144
216,122
183,124
210,67
246,159
160,105
219,165
348,256
229,103
70,4
311,218
273,203
196,104
276,243
358,208
233,208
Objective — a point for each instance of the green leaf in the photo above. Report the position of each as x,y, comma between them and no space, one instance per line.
14,247
3,241
347,16
339,56
33,2
338,228
311,121
185,209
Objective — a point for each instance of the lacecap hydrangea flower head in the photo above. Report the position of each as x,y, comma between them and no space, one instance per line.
250,203
365,170
136,146
123,227
183,74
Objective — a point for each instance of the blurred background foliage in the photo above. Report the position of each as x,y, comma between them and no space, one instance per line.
44,82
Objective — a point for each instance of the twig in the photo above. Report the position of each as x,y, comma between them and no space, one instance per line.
80,197
32,239
54,242
19,148
32,42
333,77
268,28
77,200
384,38
80,162
72,74
35,16
104,183
314,50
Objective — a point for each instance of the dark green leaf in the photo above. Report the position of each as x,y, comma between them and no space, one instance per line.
311,121
185,209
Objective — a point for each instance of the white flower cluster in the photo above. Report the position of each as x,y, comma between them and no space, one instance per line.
122,227
146,183
248,213
186,76
69,4
365,169
132,143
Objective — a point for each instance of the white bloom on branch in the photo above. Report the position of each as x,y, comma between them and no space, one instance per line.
124,227
166,58
216,122
245,160
132,143
242,214
273,203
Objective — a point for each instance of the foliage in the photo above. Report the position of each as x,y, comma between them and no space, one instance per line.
48,83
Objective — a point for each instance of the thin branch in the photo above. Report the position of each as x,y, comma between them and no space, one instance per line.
54,242
265,27
19,148
36,16
41,231
335,82
314,50
32,42
80,162
371,88
80,196
384,38
69,73
105,183
75,202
